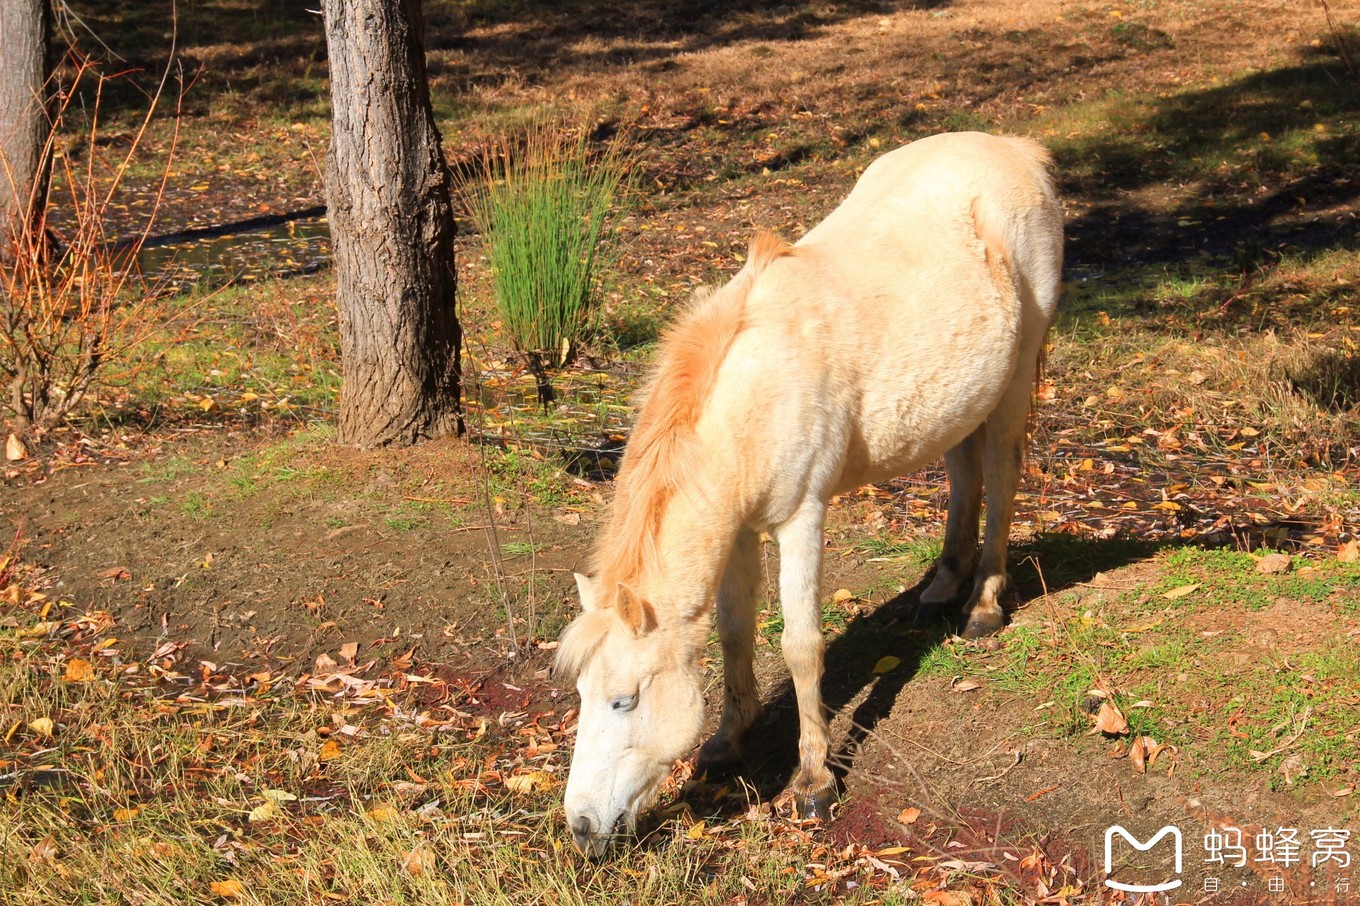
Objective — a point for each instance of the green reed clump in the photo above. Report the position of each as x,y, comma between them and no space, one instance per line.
541,212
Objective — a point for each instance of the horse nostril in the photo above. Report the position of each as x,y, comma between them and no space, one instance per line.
582,829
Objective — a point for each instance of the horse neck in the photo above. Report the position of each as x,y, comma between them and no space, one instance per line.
684,557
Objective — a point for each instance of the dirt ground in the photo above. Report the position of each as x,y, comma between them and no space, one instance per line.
265,548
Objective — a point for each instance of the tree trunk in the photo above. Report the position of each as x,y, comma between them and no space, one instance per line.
391,217
24,161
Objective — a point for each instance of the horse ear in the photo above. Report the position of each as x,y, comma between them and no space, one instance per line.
587,588
635,612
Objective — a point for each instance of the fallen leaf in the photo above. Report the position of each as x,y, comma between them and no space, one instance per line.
349,651
1293,768
1271,564
228,889
964,685
908,816
78,671
887,664
842,595
43,726
1139,750
126,814
330,751
1349,552
695,831
1110,720
418,861
279,796
267,812
1181,592
383,813
15,449
530,782
45,850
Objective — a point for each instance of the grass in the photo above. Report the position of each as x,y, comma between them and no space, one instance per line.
541,213
128,784
1151,648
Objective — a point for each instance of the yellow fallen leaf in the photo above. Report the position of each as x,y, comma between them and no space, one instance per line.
267,812
126,814
78,671
530,782
228,889
1181,592
383,813
43,726
696,831
887,664
1349,552
842,595
909,815
279,796
330,751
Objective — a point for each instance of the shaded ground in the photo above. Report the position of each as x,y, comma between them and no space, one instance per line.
262,548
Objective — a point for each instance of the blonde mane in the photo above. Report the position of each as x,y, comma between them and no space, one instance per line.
661,455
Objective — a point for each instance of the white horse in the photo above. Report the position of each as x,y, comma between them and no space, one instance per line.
906,326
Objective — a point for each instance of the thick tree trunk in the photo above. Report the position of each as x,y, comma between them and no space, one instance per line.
388,189
24,162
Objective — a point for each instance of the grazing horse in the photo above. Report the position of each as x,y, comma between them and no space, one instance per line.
906,326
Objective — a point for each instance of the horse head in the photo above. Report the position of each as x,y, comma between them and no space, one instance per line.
642,708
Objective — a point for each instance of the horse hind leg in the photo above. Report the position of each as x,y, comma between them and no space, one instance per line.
957,559
736,630
1001,461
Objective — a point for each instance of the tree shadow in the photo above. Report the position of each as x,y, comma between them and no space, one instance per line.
1048,564
1262,169
274,53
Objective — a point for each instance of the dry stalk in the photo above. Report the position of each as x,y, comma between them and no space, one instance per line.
74,305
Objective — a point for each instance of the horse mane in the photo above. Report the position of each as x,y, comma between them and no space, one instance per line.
661,455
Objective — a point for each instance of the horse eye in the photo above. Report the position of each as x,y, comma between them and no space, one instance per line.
624,702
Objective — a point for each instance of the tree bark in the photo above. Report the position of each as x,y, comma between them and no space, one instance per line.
392,226
24,159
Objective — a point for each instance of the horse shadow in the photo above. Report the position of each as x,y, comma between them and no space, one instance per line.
1048,564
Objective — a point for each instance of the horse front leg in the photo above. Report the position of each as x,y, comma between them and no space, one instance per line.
736,629
800,565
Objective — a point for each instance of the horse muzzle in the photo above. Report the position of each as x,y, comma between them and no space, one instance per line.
589,836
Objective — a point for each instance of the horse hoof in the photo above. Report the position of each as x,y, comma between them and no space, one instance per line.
815,805
982,625
717,759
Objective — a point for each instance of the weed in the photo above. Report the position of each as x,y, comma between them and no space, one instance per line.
541,214
196,505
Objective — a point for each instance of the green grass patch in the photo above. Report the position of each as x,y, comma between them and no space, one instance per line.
541,212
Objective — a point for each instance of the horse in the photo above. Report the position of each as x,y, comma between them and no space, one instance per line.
907,325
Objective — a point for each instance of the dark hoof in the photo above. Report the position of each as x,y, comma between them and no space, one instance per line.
815,805
717,761
982,625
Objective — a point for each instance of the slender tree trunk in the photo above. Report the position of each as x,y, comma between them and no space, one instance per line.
24,162
388,193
